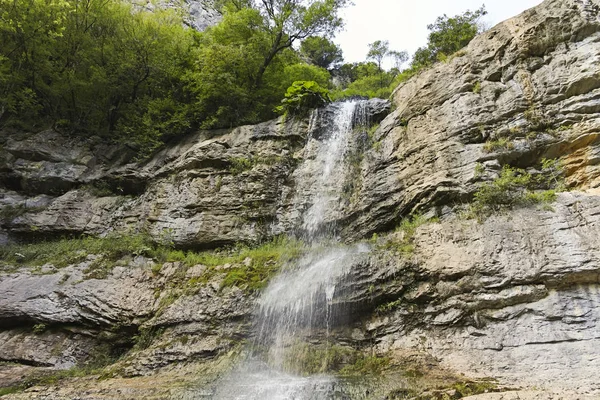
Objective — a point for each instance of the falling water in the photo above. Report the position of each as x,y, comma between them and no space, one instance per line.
300,302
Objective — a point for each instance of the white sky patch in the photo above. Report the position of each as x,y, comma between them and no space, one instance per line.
404,22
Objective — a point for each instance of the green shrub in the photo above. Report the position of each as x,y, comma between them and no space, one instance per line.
239,165
303,96
63,252
516,187
406,230
498,144
39,328
447,36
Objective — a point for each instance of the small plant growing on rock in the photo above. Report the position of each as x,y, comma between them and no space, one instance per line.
517,187
403,237
239,165
537,121
498,145
367,365
479,170
38,329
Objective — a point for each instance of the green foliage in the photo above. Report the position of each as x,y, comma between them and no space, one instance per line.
303,96
477,87
366,365
378,50
250,267
389,306
499,144
266,261
65,252
537,121
88,64
479,170
371,86
516,187
104,67
321,52
10,390
239,165
39,328
447,36
403,237
304,72
365,80
372,130
291,20
228,56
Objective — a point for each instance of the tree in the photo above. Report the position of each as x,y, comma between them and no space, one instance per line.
229,56
288,21
321,52
378,50
398,58
448,35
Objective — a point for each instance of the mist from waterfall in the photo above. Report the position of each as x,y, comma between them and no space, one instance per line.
300,301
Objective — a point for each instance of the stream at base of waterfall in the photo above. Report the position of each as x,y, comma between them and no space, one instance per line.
300,303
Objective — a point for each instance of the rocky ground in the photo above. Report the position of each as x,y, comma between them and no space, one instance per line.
509,294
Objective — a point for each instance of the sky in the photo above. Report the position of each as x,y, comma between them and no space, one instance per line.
404,22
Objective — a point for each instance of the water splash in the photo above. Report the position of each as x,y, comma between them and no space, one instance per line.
302,300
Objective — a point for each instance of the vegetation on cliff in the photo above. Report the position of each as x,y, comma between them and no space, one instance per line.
109,68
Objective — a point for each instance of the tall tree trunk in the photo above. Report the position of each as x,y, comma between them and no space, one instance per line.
276,48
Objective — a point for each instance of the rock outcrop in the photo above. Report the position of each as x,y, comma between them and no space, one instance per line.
513,296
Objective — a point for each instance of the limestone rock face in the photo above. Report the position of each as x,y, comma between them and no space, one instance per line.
202,192
198,14
533,79
514,296
208,190
70,316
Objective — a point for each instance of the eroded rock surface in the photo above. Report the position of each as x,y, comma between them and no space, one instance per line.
513,297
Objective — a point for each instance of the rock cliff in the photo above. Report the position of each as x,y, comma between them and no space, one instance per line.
513,295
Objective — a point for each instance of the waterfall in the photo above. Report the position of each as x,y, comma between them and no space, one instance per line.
299,304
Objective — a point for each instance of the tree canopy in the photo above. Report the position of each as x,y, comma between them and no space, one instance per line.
378,50
321,52
288,21
105,67
448,35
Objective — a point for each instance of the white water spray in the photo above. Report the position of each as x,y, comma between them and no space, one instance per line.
302,299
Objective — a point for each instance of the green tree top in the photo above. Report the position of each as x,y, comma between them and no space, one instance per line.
288,21
378,50
448,35
321,52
